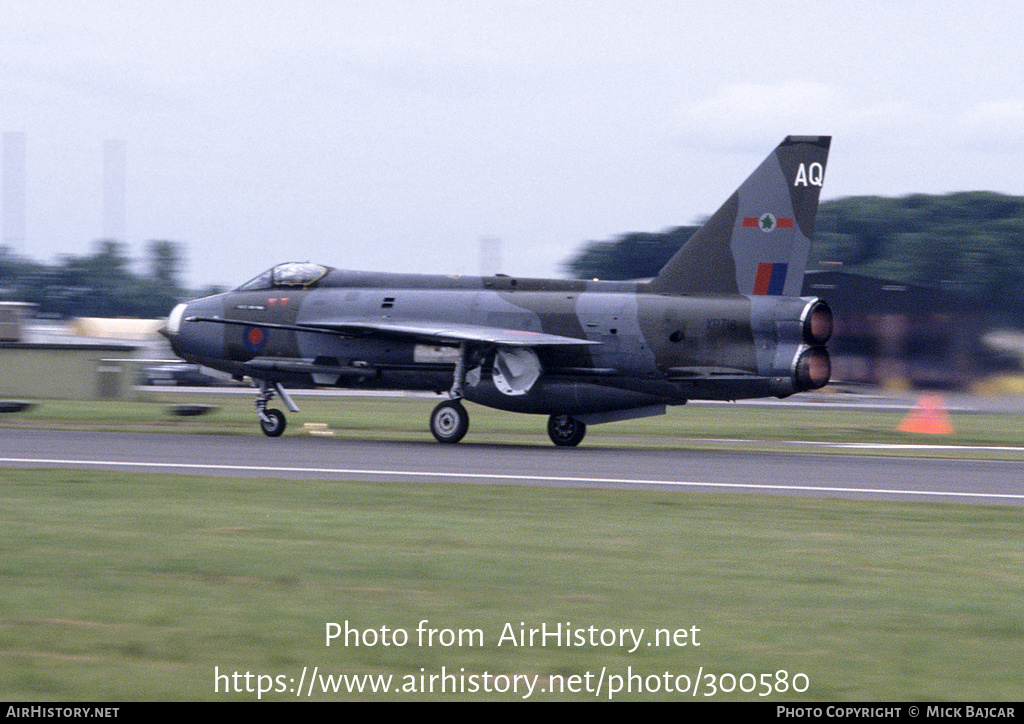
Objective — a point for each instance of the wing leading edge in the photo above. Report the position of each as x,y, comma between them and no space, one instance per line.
417,330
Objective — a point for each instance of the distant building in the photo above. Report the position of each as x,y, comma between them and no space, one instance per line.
83,360
12,320
898,335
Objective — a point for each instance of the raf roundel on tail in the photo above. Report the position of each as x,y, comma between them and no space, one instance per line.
722,320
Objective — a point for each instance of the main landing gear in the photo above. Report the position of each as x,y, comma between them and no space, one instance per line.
566,430
449,421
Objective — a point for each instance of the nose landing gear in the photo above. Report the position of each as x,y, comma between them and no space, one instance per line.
272,421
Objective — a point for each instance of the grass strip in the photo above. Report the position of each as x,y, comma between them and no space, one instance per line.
139,587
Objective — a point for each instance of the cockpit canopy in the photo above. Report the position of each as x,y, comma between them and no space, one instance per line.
290,274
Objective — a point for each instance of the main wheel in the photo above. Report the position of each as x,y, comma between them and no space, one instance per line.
275,423
449,421
566,430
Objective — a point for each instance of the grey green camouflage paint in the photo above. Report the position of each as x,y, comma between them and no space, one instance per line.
722,320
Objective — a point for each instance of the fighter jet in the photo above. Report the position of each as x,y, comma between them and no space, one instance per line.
723,320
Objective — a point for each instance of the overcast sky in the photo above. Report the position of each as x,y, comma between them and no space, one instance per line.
395,135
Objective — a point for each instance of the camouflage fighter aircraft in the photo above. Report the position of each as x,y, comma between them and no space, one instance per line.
723,320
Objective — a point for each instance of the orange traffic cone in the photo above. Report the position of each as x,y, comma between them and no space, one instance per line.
927,416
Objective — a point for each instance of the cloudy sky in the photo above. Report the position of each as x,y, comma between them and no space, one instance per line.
396,135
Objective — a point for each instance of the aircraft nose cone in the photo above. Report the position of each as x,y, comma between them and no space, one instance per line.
194,340
171,327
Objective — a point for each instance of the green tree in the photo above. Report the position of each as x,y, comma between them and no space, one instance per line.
630,256
166,261
100,284
968,242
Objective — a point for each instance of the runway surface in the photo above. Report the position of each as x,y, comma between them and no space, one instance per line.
851,476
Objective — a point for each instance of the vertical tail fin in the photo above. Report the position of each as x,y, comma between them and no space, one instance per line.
758,241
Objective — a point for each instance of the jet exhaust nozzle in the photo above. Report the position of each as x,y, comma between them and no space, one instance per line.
813,369
818,322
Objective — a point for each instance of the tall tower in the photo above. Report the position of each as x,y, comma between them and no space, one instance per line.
490,256
114,165
13,190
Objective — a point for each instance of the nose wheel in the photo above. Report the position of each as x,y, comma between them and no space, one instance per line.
449,421
272,422
566,430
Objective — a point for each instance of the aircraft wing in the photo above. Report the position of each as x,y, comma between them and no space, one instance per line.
427,331
453,332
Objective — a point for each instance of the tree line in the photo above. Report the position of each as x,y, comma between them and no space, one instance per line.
968,243
100,284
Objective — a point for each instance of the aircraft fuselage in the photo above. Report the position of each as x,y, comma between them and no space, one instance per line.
721,320
646,348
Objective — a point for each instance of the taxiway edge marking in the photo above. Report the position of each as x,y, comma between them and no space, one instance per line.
506,477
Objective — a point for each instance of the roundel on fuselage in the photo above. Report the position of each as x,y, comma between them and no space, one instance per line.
254,338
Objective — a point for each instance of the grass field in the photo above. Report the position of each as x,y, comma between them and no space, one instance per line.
142,587
406,419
